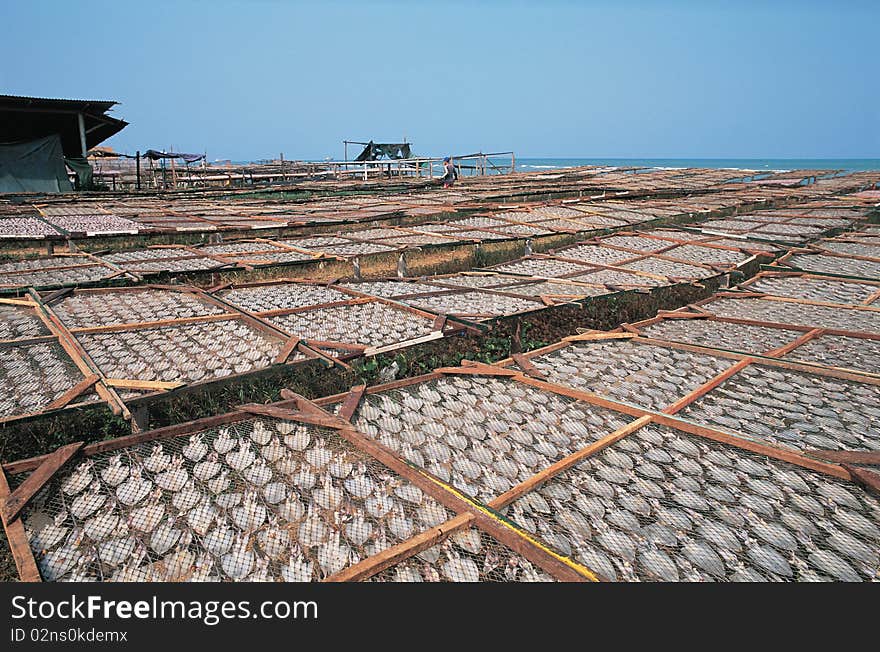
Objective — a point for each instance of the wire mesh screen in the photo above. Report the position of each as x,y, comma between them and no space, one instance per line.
147,254
258,500
706,255
389,289
662,267
373,324
801,314
637,243
652,376
618,278
355,249
750,245
262,298
596,254
837,265
31,264
185,353
549,288
25,227
90,222
854,248
482,435
554,211
240,248
793,409
53,277
18,322
266,258
814,289
466,556
171,264
474,304
33,376
86,309
854,353
747,338
663,506
543,267
478,280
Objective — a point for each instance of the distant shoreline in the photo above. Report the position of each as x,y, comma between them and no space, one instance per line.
767,165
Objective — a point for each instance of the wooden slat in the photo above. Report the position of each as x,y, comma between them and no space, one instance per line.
791,346
52,297
477,369
110,328
567,462
708,387
850,457
672,314
30,340
322,420
133,383
287,349
505,533
79,356
350,405
402,551
587,397
526,365
72,393
864,477
786,455
18,541
598,336
18,302
19,498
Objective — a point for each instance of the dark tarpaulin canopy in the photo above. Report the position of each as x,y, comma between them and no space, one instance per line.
155,155
375,151
33,166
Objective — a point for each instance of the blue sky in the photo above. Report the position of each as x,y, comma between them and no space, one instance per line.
248,80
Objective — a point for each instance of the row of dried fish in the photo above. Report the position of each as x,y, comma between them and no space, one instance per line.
185,353
794,409
255,501
484,435
651,376
263,298
659,505
800,314
33,376
814,289
83,310
372,324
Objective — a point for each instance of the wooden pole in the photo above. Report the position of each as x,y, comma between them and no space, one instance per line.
82,134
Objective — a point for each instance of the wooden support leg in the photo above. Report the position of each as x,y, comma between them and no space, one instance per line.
140,420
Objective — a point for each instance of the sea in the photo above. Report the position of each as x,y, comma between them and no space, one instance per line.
767,165
763,164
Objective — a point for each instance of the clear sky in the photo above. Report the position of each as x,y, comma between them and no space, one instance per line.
248,80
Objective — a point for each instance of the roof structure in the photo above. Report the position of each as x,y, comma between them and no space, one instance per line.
27,118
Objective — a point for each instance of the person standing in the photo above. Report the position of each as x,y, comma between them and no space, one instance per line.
451,174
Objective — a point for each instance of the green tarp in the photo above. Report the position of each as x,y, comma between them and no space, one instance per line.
82,170
33,166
